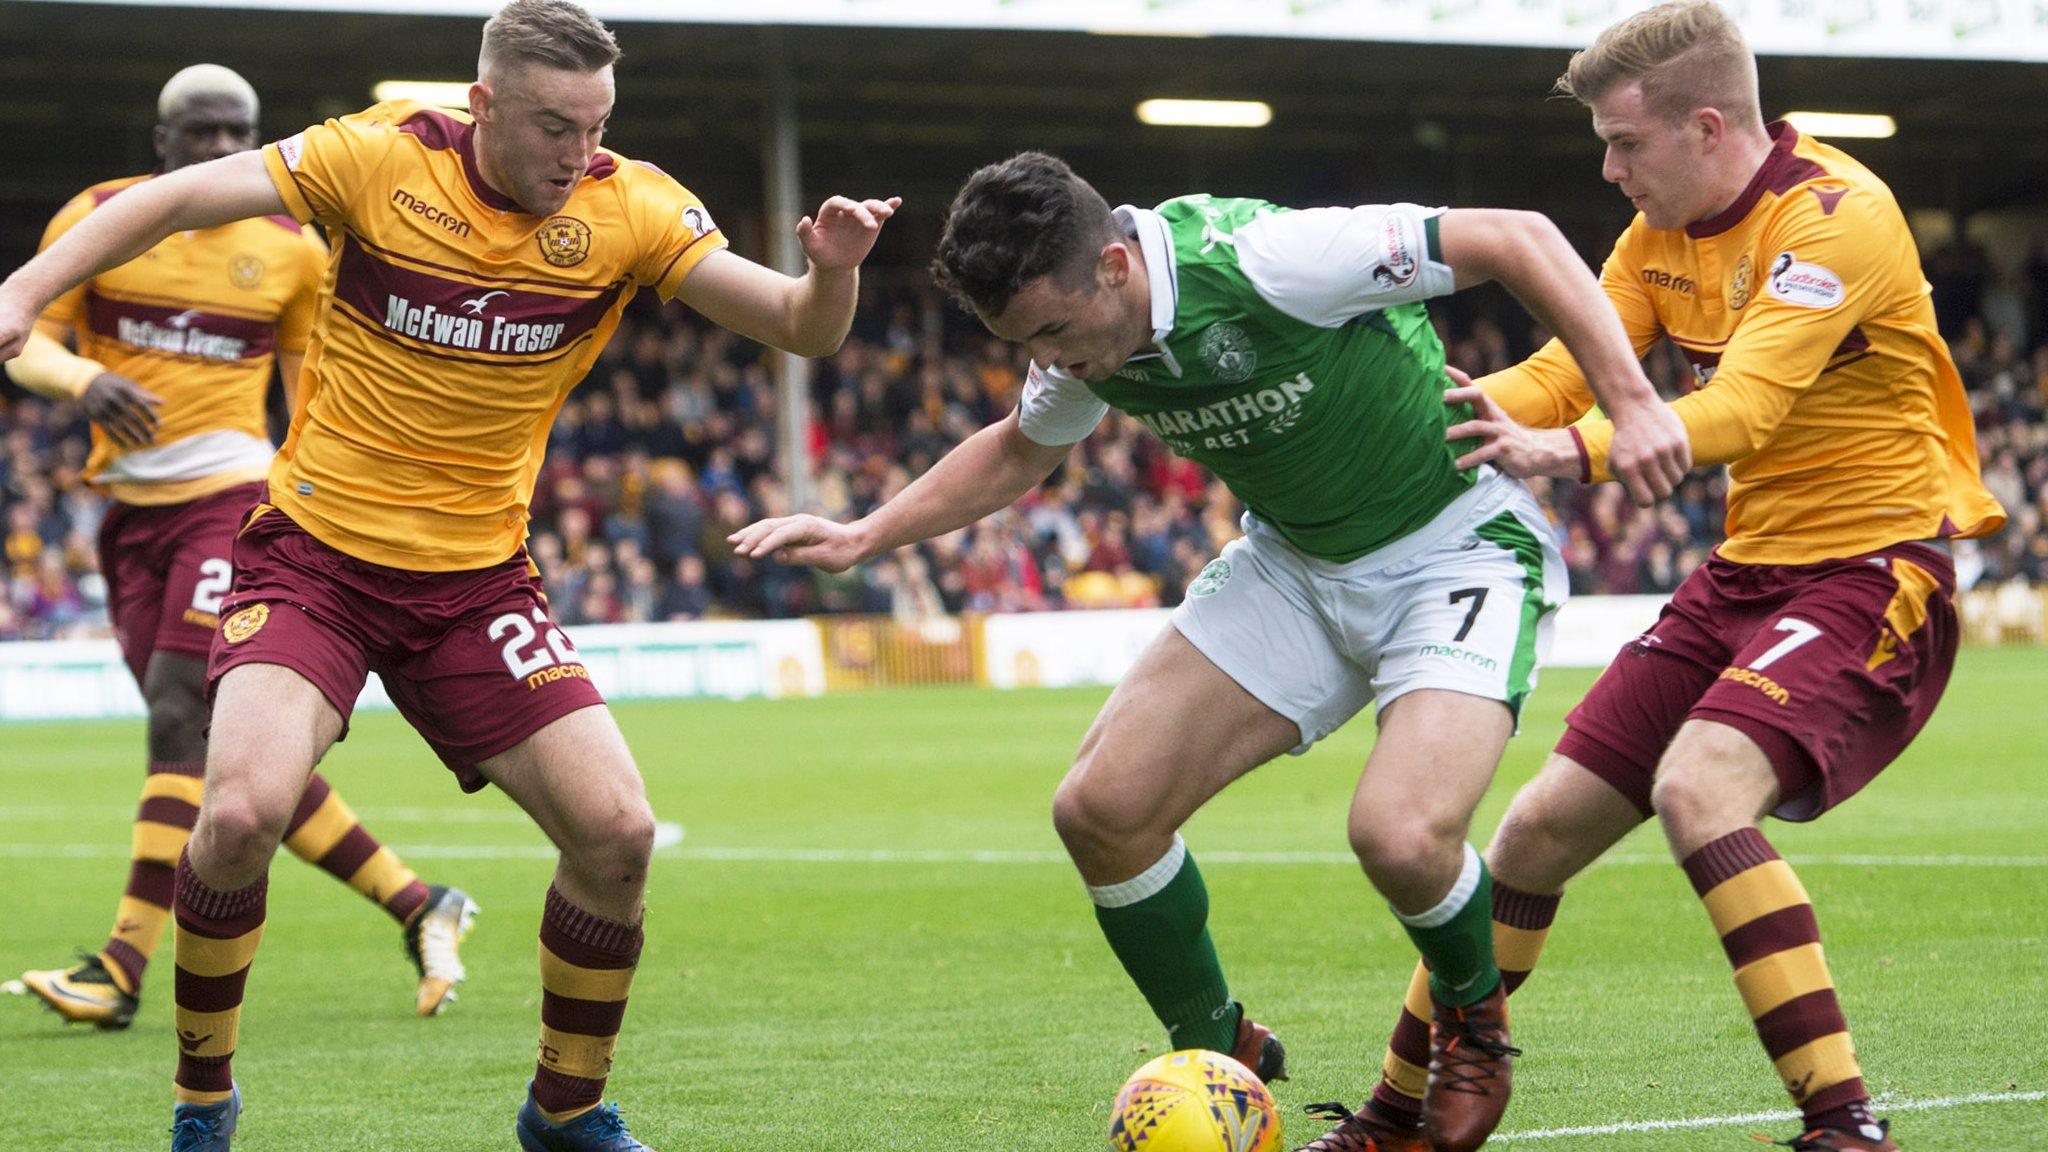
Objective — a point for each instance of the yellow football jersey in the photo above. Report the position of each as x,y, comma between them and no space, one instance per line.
451,329
1825,385
197,320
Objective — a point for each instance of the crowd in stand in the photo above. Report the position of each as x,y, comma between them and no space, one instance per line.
670,444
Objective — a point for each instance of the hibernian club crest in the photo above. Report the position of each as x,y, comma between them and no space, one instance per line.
1213,577
1228,353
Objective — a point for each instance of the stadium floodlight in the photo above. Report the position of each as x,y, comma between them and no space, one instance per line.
1206,113
1843,124
439,93
1163,32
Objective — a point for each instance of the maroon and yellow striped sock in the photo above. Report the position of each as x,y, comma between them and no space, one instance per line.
586,972
163,822
1768,929
324,832
216,941
1521,922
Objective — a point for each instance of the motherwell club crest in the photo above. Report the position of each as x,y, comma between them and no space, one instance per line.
564,241
245,272
1742,285
245,623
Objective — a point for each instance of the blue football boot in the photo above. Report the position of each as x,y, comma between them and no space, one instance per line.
598,1130
205,1127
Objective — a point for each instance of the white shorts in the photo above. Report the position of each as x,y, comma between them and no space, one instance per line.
1464,603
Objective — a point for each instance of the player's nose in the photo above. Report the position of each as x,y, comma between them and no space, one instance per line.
223,143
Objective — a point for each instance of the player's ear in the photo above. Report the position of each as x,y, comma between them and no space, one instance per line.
1709,128
480,102
1113,268
162,136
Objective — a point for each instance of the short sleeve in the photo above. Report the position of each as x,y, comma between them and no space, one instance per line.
674,230
1328,266
295,324
1057,409
317,170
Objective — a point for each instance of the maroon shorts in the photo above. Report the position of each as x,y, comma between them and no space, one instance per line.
167,566
1832,668
470,658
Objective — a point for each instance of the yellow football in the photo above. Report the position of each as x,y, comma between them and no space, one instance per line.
1194,1101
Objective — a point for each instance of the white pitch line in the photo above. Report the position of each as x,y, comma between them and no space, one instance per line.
785,855
1882,1104
668,836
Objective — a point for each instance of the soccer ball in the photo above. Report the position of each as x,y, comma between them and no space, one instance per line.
1194,1101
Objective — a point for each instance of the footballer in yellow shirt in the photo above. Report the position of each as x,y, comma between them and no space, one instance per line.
479,262
174,355
1811,648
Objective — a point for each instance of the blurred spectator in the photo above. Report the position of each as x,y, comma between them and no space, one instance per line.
669,445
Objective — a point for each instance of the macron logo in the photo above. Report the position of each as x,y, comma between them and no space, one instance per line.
440,218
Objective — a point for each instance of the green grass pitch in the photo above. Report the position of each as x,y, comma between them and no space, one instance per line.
830,965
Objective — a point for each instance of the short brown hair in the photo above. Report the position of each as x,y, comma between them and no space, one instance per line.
1013,222
1687,54
555,33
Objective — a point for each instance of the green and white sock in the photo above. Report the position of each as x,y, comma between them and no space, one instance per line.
1157,923
1456,937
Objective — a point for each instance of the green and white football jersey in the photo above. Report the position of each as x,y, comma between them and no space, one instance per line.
1296,362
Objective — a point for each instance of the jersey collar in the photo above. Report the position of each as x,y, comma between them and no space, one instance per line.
1155,242
1783,169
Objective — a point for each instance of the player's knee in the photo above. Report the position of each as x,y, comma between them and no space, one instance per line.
1395,852
633,832
1685,798
1086,814
242,825
1537,832
620,845
1073,811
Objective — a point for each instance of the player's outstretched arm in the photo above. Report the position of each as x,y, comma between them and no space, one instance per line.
1507,445
807,315
1526,253
988,472
200,196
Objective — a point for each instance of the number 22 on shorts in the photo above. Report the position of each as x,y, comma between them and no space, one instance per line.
520,633
216,577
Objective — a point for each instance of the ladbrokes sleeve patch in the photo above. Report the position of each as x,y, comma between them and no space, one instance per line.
1805,285
1402,254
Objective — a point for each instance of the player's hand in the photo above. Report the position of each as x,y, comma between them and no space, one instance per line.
844,231
801,539
1650,452
122,408
1520,452
15,326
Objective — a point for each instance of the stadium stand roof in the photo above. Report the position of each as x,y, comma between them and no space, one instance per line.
912,111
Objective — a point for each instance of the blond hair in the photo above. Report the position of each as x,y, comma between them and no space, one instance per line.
1687,55
203,82
553,33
